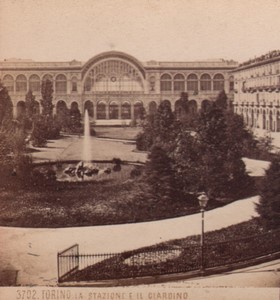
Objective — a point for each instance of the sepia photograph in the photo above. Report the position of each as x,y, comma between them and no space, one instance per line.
139,149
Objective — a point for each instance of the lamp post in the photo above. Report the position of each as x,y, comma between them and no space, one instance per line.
203,199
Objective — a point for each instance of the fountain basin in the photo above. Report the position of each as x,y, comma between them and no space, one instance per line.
79,171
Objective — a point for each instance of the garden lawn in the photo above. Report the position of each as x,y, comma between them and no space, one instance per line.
121,133
64,204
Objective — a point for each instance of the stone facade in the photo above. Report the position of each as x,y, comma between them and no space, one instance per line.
114,85
257,92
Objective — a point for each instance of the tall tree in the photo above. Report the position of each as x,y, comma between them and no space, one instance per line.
222,100
187,162
181,107
47,97
269,205
221,136
75,119
31,105
164,124
6,105
159,175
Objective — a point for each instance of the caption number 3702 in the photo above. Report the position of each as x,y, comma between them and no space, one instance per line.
27,294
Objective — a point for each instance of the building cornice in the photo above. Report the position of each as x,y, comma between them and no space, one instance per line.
257,64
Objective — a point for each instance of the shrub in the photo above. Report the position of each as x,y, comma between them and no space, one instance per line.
136,172
269,206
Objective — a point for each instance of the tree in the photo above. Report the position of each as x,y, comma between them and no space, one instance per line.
45,127
31,109
6,105
6,125
75,123
222,100
47,96
187,162
31,105
145,138
181,107
220,137
159,128
164,125
269,205
159,175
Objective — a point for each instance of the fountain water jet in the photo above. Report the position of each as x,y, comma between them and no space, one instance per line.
86,156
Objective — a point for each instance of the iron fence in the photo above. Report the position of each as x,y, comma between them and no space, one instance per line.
162,259
67,262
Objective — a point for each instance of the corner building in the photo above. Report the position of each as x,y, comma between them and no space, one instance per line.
257,92
114,86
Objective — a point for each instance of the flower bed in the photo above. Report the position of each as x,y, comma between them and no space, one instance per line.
222,247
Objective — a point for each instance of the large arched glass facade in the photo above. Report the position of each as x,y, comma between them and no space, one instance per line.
113,76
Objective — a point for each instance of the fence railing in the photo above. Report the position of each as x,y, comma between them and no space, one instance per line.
162,259
67,262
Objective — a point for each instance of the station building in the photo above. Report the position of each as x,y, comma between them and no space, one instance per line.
257,91
114,86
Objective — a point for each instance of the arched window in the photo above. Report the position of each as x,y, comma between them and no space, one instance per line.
165,83
47,77
231,83
74,87
89,107
113,111
34,83
21,84
219,82
271,127
61,84
264,120
126,110
192,83
139,110
205,82
278,121
8,82
101,111
252,118
179,83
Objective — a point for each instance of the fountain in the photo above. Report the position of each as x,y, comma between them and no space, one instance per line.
87,169
86,144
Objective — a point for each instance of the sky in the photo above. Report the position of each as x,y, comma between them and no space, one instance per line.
162,30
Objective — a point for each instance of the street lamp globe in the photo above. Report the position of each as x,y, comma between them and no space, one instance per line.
203,200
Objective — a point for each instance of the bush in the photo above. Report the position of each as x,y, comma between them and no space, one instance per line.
136,172
269,206
44,128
